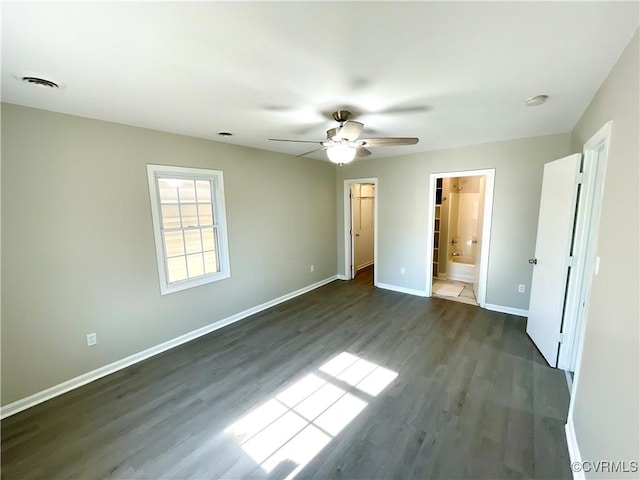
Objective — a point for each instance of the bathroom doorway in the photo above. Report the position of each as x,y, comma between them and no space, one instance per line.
460,206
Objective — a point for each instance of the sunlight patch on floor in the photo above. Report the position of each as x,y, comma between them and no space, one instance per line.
288,431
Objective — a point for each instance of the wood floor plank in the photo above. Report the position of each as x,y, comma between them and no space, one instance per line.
461,393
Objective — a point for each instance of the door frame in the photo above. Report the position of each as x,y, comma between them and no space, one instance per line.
584,248
490,175
348,222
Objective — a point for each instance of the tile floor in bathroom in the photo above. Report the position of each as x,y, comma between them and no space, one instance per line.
465,296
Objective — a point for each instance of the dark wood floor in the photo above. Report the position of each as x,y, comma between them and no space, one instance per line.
472,398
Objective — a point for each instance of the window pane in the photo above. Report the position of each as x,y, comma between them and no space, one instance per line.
168,190
206,217
195,265
170,216
189,215
208,241
177,269
187,191
173,244
192,241
188,223
211,262
204,191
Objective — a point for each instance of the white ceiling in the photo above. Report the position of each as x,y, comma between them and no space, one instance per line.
450,73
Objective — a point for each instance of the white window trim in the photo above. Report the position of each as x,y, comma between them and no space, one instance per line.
155,171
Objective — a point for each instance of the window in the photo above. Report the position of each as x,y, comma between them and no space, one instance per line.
187,206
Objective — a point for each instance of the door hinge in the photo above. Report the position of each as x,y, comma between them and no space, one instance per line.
561,337
570,262
580,178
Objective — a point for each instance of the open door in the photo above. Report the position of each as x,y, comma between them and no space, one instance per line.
362,199
552,260
360,226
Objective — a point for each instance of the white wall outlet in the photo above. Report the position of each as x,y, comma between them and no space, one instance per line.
402,271
92,339
521,288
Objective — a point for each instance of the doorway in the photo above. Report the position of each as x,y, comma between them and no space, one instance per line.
567,232
460,211
361,226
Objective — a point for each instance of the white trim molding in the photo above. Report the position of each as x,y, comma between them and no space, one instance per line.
509,310
395,288
56,390
569,378
574,451
364,265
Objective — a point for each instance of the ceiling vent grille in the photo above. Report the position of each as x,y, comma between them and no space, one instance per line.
41,82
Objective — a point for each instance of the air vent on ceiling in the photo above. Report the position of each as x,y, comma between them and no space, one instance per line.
41,82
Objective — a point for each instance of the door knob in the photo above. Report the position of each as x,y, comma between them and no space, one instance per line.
533,261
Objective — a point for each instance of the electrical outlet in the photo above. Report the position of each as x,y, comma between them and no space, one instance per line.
402,271
521,288
311,268
92,339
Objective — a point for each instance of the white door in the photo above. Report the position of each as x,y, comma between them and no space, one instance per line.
352,270
552,254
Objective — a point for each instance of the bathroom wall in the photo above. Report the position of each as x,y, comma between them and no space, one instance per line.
464,203
444,227
481,196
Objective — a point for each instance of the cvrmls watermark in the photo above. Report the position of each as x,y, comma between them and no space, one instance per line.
606,466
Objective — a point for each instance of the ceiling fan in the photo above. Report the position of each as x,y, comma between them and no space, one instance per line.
342,143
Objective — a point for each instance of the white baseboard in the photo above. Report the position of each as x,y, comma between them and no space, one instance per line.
510,310
342,277
574,451
395,288
567,375
364,265
56,390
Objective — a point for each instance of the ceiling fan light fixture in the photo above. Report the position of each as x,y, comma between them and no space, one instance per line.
341,154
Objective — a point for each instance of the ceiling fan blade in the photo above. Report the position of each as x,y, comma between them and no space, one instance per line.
388,141
311,151
350,130
362,152
296,141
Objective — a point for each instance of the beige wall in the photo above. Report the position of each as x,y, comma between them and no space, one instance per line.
78,249
607,398
402,210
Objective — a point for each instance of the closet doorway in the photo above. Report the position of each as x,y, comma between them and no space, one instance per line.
361,227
